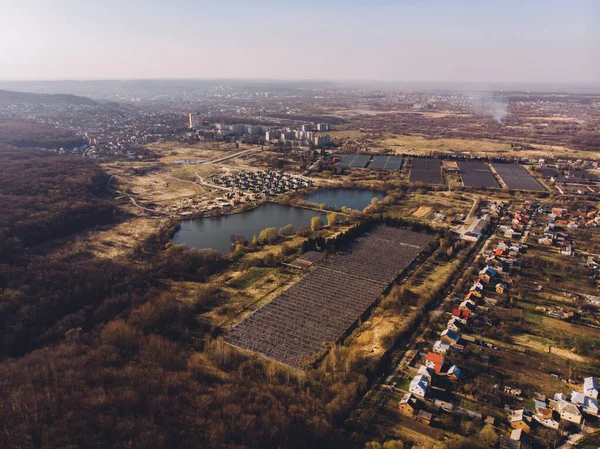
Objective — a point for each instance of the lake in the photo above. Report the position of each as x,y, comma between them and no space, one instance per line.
216,232
356,199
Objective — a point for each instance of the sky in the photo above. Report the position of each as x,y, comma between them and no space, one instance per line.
390,40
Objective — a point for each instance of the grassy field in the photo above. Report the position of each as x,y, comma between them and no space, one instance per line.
424,206
349,134
420,145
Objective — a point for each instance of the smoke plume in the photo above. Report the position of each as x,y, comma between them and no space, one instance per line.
489,103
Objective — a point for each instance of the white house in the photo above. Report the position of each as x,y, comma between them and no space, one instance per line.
546,422
588,405
425,372
590,387
419,386
441,347
569,412
559,396
455,325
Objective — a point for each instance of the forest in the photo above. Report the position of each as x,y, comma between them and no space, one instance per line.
98,353
24,133
45,196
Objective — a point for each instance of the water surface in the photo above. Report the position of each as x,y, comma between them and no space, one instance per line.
356,199
216,232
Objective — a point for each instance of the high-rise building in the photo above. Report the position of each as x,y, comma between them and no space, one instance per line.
306,128
322,141
238,129
255,129
195,120
322,127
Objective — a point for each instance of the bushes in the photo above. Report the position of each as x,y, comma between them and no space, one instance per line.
286,231
267,236
316,223
180,262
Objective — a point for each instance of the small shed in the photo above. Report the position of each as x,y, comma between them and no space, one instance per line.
424,417
305,261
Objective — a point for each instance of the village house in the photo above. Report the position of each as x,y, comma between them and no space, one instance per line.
472,297
590,387
517,440
543,415
568,411
455,325
449,337
419,386
455,373
425,371
424,417
468,304
588,405
461,315
434,361
519,420
408,404
478,285
500,287
441,347
487,274
474,291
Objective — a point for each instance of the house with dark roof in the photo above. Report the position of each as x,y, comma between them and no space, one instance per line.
455,373
408,404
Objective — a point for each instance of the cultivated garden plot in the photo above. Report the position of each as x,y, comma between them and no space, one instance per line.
387,162
477,174
316,311
516,177
354,161
426,170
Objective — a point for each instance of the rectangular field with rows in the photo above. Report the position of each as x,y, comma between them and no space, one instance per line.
387,162
516,177
315,312
354,161
428,171
477,174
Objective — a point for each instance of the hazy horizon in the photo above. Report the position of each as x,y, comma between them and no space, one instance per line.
435,42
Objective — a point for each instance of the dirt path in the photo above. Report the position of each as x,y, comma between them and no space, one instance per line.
231,156
204,183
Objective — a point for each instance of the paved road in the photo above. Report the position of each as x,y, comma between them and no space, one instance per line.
231,156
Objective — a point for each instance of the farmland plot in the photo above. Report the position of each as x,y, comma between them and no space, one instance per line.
387,162
426,170
313,313
516,177
354,161
477,174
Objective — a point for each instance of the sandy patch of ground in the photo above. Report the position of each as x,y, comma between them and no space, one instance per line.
539,346
369,341
120,240
422,211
